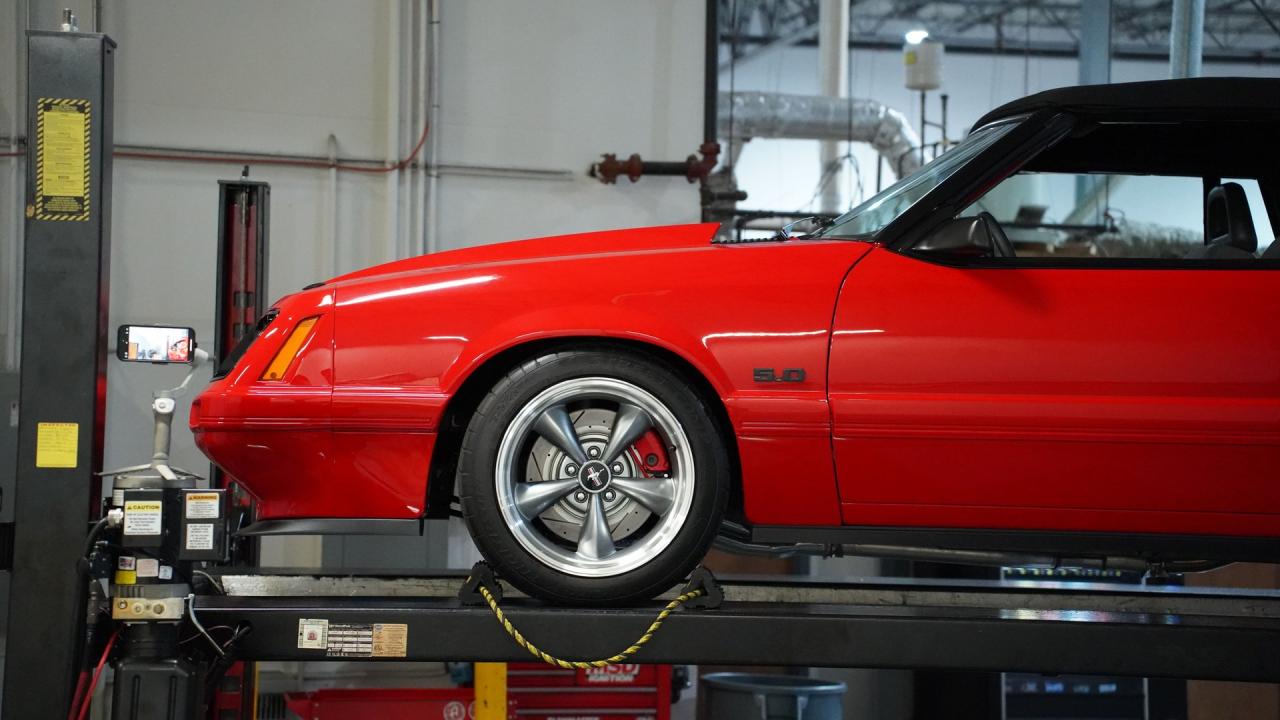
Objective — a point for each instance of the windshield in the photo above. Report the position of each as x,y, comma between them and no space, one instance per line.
881,209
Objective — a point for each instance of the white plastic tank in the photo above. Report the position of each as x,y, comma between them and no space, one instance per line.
923,63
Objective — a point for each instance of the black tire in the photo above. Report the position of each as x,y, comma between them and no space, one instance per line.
478,494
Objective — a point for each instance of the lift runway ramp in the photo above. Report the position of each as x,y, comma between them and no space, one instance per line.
1046,627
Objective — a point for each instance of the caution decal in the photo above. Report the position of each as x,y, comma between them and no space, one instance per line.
62,159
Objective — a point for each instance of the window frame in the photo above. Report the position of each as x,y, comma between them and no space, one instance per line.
1018,149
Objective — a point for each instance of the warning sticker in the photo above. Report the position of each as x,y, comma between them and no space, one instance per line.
63,127
57,445
142,517
355,640
350,640
127,562
203,506
166,572
313,634
199,536
148,567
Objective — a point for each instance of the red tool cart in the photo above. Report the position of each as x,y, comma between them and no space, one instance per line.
618,692
384,704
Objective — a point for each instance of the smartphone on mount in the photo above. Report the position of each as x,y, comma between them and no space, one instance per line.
155,344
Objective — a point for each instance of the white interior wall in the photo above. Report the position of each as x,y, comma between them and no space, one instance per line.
552,86
544,86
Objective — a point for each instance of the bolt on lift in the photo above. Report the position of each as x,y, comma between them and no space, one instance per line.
147,596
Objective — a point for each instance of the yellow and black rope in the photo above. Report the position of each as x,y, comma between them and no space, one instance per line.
550,659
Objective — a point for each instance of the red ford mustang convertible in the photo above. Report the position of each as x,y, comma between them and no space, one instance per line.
1060,337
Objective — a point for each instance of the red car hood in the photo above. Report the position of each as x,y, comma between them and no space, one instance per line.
606,242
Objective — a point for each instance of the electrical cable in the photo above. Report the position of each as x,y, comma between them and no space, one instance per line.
211,580
81,682
97,673
191,612
211,628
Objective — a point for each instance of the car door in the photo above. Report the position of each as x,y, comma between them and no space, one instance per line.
1113,394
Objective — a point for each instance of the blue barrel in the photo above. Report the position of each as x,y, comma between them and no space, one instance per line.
744,696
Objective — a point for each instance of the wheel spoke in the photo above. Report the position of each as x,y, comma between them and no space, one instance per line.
629,425
657,495
594,543
533,498
555,425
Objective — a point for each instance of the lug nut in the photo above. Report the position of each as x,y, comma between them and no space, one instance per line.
609,495
617,468
580,496
593,451
571,469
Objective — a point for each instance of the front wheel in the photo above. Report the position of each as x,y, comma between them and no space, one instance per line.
593,477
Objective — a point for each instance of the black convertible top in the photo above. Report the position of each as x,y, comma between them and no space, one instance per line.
1203,99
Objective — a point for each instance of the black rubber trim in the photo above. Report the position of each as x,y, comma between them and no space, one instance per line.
227,364
1149,546
333,526
1092,263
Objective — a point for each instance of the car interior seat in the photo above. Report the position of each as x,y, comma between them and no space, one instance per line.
1229,232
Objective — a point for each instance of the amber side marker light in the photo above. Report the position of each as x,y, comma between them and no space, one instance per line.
284,357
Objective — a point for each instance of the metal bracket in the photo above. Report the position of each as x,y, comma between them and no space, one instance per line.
712,594
481,576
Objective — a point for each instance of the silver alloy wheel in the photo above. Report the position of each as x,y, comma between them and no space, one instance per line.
605,546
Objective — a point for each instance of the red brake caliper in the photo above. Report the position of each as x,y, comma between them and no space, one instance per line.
650,454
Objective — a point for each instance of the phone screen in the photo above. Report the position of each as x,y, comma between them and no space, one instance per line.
148,343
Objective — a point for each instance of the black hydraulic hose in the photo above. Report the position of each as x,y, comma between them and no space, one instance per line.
86,635
97,529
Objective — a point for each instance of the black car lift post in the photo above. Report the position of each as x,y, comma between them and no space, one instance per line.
63,373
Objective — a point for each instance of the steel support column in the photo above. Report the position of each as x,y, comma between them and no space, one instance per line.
1094,62
833,78
1186,38
1095,42
64,356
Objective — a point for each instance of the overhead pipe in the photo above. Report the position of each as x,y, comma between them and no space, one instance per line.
814,117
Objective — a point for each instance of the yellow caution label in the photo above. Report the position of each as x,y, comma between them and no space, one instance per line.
126,577
63,129
57,445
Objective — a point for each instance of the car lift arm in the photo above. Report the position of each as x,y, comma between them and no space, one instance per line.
977,625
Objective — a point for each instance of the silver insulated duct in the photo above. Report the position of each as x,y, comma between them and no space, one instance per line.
815,117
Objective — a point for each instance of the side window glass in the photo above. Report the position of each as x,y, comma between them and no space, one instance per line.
1097,216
